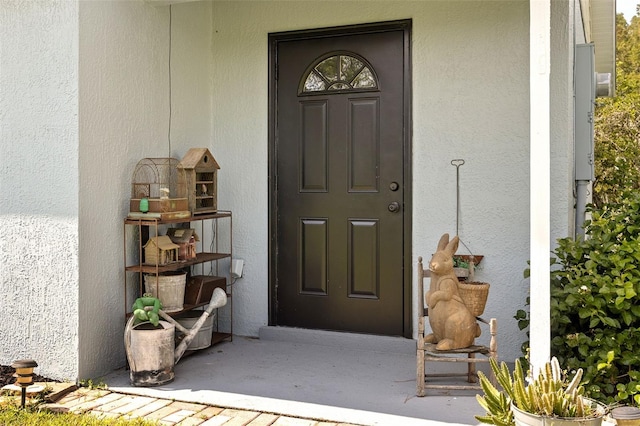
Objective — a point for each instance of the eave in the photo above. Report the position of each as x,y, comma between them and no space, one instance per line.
599,19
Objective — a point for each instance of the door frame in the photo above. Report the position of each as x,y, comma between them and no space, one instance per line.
274,39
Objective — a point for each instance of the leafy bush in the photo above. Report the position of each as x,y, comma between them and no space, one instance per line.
617,148
523,319
617,121
595,308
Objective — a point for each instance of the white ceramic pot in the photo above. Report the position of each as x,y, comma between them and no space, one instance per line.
523,418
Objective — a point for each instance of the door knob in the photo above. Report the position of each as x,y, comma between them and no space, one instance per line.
394,207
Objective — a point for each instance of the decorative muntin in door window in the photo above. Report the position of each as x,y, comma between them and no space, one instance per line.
339,72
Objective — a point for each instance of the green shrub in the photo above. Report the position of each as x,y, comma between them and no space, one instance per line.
595,307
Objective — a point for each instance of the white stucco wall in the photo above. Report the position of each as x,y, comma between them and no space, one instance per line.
84,95
39,185
125,87
470,101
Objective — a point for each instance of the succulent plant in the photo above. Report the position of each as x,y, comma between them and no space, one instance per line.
549,394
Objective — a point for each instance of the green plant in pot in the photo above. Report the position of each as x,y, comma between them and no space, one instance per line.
548,399
464,265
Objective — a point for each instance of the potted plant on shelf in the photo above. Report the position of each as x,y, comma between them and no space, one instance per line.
464,265
548,399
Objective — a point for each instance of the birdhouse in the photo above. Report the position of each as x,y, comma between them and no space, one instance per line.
160,251
186,239
200,171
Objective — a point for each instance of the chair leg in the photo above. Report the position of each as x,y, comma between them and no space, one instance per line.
471,370
493,346
420,372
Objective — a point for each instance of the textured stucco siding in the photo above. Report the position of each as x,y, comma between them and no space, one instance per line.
470,100
66,174
39,185
85,93
125,116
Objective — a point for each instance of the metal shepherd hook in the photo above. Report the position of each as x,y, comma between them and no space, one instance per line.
457,163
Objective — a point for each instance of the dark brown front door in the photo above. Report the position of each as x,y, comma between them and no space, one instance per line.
340,148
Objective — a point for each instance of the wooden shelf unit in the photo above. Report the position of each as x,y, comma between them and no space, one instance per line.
148,227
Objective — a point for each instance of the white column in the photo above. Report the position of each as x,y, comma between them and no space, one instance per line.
540,70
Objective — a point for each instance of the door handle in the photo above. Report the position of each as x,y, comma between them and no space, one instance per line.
394,207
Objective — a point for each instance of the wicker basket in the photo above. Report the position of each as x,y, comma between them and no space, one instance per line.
474,295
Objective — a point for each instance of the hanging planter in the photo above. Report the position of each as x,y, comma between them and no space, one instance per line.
464,265
474,294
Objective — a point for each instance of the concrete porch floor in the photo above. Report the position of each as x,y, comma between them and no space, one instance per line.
339,377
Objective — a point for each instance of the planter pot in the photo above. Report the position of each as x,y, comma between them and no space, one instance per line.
475,258
522,418
626,416
461,273
466,273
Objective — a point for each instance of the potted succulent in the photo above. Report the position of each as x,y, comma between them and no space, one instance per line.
548,399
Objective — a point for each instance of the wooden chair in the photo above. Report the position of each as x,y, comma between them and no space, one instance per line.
427,352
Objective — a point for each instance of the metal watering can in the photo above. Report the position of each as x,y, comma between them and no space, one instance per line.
150,348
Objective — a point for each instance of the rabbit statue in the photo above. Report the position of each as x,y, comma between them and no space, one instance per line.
453,326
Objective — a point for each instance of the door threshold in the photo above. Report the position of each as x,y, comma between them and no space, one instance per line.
346,340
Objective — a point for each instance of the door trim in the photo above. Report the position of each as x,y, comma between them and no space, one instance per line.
274,39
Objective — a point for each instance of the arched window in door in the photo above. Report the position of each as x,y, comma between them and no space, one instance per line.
338,72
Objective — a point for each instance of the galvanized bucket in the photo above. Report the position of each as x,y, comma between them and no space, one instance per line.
169,288
202,338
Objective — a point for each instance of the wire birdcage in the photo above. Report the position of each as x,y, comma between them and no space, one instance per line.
161,183
158,177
